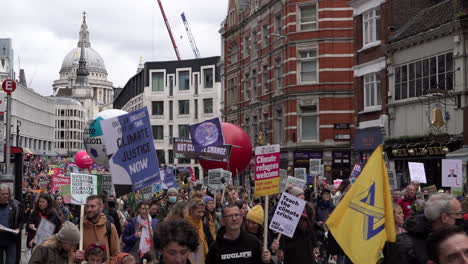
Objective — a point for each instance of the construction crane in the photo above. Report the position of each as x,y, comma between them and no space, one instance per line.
169,30
196,52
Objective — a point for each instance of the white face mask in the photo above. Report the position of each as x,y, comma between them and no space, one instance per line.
172,199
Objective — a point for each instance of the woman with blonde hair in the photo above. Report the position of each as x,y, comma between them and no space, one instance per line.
59,248
194,215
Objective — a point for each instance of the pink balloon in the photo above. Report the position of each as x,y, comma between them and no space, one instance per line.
83,160
241,152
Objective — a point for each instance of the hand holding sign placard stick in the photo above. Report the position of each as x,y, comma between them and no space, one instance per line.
82,186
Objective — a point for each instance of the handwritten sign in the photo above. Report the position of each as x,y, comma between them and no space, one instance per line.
300,173
287,214
452,175
417,172
82,186
295,182
44,231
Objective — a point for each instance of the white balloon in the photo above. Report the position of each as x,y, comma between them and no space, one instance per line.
93,136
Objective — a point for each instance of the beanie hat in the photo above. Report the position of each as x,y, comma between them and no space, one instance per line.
296,191
256,214
69,233
207,199
172,190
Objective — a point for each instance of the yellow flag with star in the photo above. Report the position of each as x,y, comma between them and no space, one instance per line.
363,220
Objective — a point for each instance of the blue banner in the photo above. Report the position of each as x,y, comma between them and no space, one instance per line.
206,133
129,144
169,180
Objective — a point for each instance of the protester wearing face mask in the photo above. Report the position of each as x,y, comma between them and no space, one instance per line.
165,208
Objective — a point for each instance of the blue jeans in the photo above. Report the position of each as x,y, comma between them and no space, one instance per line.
8,253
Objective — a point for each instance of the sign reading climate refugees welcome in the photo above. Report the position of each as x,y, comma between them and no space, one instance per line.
267,173
129,143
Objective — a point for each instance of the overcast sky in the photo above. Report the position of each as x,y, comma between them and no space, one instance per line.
121,31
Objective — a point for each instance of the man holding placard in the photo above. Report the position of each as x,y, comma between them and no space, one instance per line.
97,229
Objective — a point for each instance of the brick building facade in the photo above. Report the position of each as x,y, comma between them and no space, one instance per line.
288,76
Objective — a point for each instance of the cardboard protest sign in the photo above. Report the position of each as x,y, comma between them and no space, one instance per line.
452,175
207,133
417,172
267,177
183,148
59,181
217,178
44,231
146,193
157,187
430,189
356,170
82,186
300,173
65,191
129,144
104,183
287,214
295,182
168,179
315,167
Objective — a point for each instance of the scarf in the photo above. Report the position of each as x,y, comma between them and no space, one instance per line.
198,225
146,231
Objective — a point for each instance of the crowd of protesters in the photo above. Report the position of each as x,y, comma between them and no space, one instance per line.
198,225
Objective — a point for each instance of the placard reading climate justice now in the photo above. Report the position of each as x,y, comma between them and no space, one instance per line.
267,176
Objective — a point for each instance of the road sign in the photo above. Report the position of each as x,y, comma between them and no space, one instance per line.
9,86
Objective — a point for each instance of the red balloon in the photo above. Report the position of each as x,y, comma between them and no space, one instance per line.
241,151
83,160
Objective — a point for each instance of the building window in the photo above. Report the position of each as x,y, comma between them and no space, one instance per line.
161,156
255,126
171,135
171,85
184,80
309,122
184,131
254,43
254,83
246,48
278,73
264,35
171,156
171,111
195,82
246,87
230,92
196,108
308,66
234,53
158,132
372,90
278,24
266,126
279,126
157,81
308,17
265,79
371,26
417,78
208,105
157,108
208,78
184,107
247,126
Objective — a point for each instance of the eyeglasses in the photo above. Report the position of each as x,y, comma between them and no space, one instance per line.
460,213
232,216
